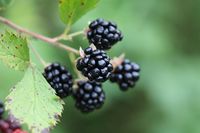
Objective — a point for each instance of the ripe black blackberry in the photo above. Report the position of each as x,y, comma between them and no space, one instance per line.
103,34
95,65
126,74
59,79
89,96
1,109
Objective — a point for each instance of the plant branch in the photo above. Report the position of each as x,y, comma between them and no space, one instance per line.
37,36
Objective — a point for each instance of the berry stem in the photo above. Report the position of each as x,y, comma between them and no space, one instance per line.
116,61
49,40
68,37
76,34
63,35
67,30
38,56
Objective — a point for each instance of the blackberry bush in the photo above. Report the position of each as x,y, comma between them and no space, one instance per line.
32,94
126,74
95,65
59,78
89,96
103,34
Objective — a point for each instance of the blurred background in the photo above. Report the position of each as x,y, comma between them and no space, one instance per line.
162,36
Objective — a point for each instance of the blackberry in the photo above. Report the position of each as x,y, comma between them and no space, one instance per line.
4,127
126,74
13,124
103,34
95,65
8,126
1,109
59,78
89,96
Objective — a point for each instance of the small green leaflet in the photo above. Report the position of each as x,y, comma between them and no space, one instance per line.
14,51
72,10
33,102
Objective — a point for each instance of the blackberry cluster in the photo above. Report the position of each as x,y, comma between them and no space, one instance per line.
103,34
126,74
89,96
95,65
59,79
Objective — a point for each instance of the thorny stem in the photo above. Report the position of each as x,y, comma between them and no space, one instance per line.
37,36
38,56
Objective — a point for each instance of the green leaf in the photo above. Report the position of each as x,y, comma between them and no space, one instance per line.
33,102
14,51
72,10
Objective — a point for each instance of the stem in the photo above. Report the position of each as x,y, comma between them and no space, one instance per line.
38,56
37,36
76,34
73,59
64,36
67,29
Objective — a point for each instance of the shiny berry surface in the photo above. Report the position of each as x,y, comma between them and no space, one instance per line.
89,96
95,65
59,78
126,75
103,34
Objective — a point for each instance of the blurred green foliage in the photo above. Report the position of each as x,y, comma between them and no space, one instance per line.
162,36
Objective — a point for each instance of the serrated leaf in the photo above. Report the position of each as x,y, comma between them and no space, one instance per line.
72,10
14,51
33,102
